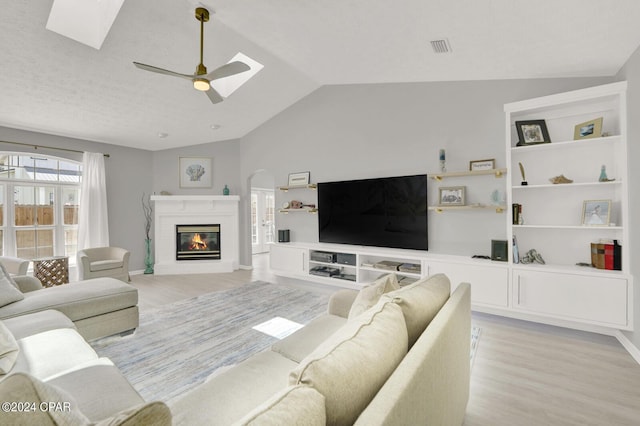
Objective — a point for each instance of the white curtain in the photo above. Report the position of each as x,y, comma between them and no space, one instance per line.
93,223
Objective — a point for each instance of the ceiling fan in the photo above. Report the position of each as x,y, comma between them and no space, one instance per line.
201,80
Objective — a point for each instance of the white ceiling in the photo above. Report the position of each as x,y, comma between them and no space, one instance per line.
55,85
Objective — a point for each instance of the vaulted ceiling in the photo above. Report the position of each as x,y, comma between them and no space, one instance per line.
52,84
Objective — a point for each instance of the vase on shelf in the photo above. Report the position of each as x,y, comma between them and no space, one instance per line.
225,191
148,258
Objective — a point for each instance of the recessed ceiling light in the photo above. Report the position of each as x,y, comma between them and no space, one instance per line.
162,135
215,126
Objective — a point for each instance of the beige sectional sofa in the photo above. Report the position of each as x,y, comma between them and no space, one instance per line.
49,375
383,356
98,307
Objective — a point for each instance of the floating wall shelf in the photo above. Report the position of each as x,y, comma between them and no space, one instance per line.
440,209
496,172
309,186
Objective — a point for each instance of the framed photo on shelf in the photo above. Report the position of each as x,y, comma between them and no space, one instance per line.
477,165
596,212
300,178
195,172
532,132
588,129
451,195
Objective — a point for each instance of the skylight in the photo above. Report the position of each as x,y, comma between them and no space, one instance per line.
85,21
226,86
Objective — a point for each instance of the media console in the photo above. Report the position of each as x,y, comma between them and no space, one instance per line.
356,266
496,287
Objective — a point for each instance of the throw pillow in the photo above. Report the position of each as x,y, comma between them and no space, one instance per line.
352,365
420,302
369,295
295,405
153,413
9,291
8,349
8,275
27,390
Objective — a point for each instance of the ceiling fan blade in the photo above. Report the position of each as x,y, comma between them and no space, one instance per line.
232,68
214,96
161,71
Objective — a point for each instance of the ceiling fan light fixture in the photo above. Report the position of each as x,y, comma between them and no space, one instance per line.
201,84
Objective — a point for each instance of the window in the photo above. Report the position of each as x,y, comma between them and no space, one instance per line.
38,206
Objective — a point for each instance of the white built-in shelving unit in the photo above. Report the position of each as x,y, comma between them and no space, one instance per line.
552,213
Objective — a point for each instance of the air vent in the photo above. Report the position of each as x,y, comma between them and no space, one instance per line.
441,46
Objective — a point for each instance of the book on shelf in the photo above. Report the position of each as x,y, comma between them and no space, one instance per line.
516,210
388,265
606,254
414,268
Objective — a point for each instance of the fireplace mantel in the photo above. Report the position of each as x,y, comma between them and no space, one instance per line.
172,210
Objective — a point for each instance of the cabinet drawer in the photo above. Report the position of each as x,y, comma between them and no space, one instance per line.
596,299
289,259
489,285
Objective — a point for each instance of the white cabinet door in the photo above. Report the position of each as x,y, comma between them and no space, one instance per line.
288,259
594,299
489,284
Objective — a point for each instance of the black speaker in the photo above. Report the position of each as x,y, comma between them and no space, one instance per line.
283,235
499,250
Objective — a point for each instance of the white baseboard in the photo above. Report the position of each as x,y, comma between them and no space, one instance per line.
245,267
137,272
628,345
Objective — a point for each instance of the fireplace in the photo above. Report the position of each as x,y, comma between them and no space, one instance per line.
197,242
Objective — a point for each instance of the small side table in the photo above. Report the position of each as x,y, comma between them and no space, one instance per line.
51,270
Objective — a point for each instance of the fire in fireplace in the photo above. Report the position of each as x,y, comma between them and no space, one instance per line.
196,242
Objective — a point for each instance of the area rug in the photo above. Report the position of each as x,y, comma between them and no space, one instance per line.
177,346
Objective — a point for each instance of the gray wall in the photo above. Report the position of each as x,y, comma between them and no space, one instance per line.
631,73
226,168
362,131
127,175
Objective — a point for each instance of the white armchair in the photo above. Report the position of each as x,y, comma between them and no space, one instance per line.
15,265
103,262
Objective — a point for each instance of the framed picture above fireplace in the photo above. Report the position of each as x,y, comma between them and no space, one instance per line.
196,172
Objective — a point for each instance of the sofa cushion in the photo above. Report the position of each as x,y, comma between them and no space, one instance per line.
38,322
79,300
420,302
370,294
31,392
54,406
99,390
47,354
295,405
298,345
350,367
102,265
8,349
154,413
233,392
9,292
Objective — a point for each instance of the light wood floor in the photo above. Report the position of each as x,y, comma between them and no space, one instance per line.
523,373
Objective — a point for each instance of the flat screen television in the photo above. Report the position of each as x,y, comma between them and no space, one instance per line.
382,212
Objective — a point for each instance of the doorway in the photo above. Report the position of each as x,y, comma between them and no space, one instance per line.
262,219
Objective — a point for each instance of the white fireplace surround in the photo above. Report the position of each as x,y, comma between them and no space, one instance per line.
172,210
